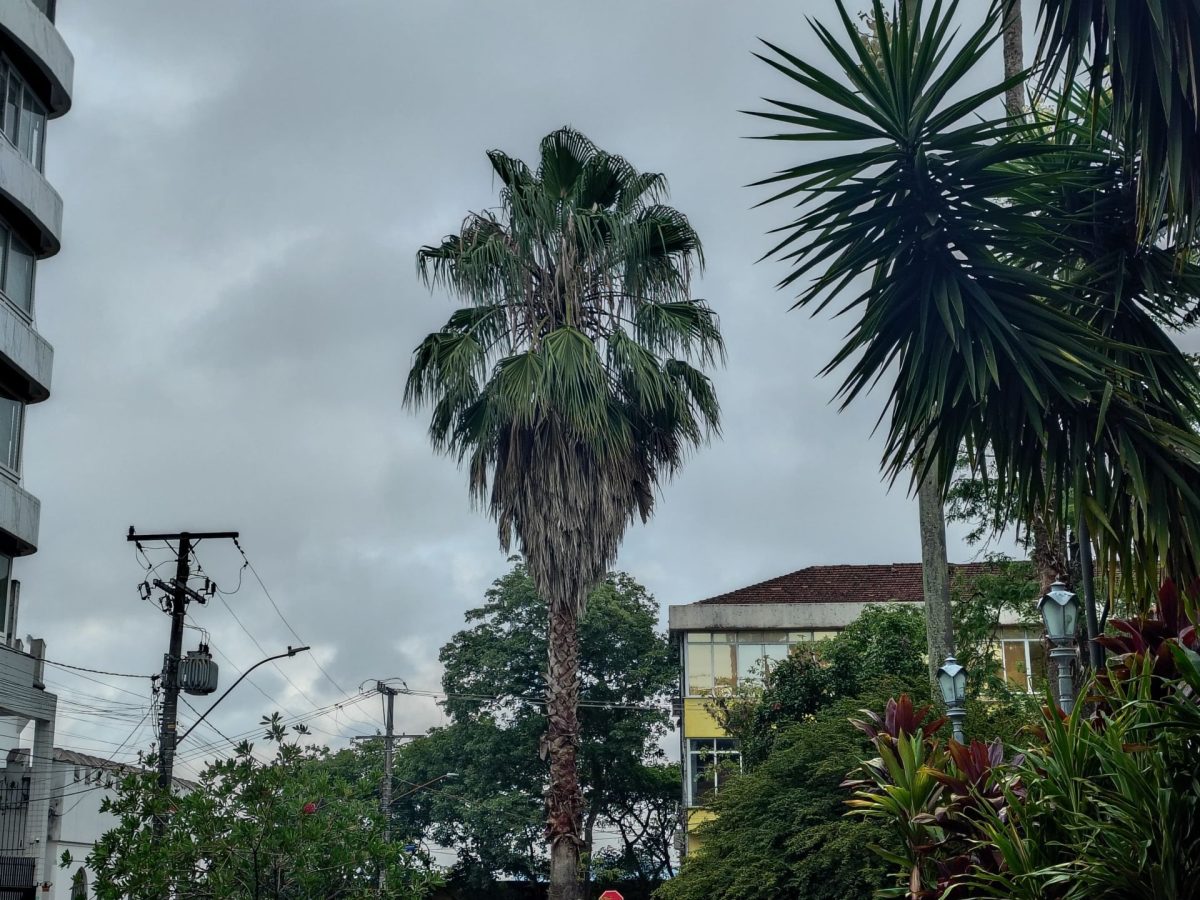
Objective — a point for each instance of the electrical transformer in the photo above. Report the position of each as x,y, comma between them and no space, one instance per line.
198,672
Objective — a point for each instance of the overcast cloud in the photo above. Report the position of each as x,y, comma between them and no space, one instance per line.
245,185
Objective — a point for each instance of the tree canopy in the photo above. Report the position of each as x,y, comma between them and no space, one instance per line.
491,814
293,828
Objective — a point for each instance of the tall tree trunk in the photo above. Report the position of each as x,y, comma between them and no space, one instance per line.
1014,57
564,800
935,576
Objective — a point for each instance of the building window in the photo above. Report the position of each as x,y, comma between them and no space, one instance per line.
711,763
7,614
12,415
16,270
718,661
24,116
79,885
1024,660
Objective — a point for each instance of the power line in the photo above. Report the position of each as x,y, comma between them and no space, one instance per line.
341,690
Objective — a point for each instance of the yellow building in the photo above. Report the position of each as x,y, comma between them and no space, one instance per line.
732,638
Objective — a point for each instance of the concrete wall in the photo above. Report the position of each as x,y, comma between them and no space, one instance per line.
26,355
40,40
20,516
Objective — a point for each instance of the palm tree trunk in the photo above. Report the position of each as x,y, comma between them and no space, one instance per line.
564,800
935,576
1014,57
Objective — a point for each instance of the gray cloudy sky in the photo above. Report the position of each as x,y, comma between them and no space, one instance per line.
245,185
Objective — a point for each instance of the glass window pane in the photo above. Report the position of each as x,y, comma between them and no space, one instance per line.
725,745
39,140
776,637
5,574
1037,660
798,637
699,669
722,637
823,635
751,637
723,667
1014,665
10,433
12,107
699,637
749,663
25,131
4,234
774,653
18,275
701,762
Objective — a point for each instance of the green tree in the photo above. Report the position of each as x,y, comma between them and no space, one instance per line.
998,270
781,830
565,385
290,828
494,669
883,646
881,651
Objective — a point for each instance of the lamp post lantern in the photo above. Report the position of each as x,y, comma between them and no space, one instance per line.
952,680
1060,614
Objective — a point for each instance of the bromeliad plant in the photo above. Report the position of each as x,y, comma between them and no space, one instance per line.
1105,805
933,798
1161,636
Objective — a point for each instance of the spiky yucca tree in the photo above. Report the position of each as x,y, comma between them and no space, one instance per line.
570,383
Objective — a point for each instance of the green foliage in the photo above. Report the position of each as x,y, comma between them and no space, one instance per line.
884,644
292,828
883,651
781,831
1105,805
1146,48
1008,589
492,814
1009,296
566,381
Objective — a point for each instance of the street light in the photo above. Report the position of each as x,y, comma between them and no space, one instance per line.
1060,614
952,679
291,651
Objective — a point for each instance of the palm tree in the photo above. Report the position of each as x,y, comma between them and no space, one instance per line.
941,238
1143,53
570,383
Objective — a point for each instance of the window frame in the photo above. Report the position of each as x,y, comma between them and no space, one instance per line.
694,751
37,159
762,638
1028,643
8,471
6,256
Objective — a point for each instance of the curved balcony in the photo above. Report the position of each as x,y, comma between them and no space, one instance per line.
44,51
28,193
26,358
20,513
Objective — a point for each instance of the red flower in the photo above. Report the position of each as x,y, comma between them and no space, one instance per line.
309,808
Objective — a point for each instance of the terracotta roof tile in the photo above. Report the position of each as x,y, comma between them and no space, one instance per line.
845,583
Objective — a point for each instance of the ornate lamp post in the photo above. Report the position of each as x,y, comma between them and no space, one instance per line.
952,679
1060,614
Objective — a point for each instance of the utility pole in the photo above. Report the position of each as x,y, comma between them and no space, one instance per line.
385,789
180,595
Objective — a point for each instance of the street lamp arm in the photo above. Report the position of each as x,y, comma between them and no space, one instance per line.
291,651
